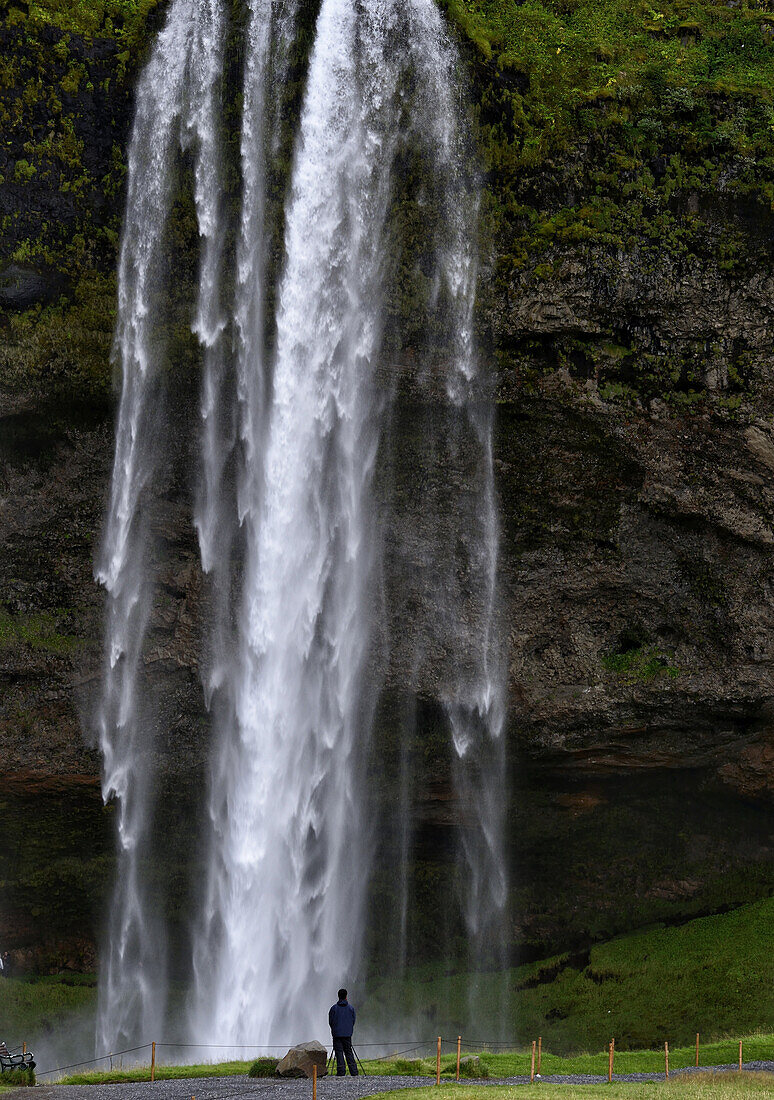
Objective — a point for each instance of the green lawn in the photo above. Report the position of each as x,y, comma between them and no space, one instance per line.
517,1063
732,1086
163,1073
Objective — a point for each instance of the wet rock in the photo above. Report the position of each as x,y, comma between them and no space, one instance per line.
752,774
22,287
300,1060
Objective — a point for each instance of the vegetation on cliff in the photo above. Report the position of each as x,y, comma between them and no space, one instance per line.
66,77
624,136
611,135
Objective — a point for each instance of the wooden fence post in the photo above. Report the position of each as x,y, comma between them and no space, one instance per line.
314,1081
740,1055
697,1049
153,1061
611,1055
532,1066
459,1047
540,1053
666,1060
438,1063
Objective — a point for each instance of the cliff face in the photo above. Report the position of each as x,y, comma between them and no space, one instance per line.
626,314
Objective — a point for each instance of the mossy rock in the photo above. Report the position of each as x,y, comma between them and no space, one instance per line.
471,1067
263,1067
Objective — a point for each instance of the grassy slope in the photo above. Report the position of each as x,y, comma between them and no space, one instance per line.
621,57
714,975
29,1006
575,48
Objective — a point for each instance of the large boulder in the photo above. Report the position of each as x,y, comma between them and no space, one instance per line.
299,1060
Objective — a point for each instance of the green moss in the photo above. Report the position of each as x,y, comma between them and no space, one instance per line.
645,663
64,348
127,20
68,70
39,631
23,170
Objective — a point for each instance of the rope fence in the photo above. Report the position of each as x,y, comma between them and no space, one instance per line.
535,1054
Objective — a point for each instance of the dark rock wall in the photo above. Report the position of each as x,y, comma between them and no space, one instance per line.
634,454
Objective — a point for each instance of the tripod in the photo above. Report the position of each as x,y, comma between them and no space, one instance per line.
332,1060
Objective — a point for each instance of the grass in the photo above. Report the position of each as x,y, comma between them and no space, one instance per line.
506,1064
44,1004
714,975
17,1077
574,52
517,1063
163,1073
730,1086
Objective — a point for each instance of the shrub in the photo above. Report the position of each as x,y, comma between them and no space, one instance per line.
407,1067
263,1067
18,1077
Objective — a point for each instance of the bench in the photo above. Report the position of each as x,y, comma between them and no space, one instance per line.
14,1061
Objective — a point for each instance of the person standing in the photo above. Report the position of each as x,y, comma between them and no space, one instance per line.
342,1023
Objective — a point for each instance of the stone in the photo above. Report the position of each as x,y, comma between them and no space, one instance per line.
471,1061
470,1066
22,287
300,1059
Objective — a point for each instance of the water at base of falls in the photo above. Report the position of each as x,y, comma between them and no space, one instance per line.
287,514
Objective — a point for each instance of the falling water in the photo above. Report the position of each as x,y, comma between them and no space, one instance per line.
176,82
269,37
291,869
292,416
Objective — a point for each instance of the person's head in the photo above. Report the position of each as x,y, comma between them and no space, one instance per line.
342,994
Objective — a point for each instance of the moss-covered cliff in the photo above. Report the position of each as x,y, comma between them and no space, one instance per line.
625,307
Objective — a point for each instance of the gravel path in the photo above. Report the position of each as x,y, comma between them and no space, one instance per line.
231,1088
328,1088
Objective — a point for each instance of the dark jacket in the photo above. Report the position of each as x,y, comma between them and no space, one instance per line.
342,1019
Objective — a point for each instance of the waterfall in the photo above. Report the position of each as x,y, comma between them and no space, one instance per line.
269,36
293,414
291,867
176,87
